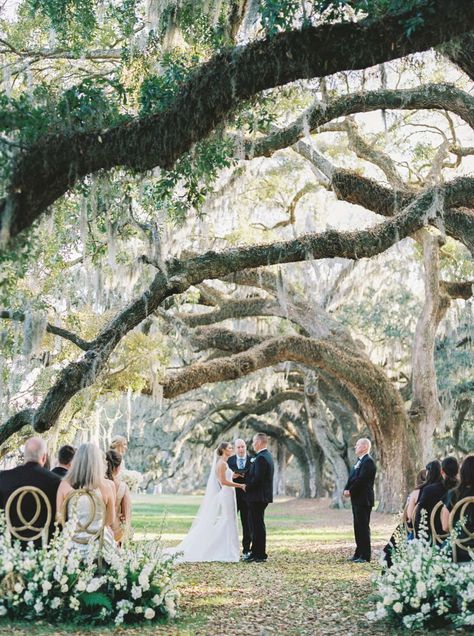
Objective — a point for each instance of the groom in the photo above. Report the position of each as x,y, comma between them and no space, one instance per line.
259,489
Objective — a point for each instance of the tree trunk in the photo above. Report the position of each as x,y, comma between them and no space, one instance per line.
331,449
425,410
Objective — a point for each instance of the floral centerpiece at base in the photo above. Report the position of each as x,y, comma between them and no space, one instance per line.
56,584
425,588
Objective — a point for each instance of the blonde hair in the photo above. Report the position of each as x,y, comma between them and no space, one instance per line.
117,441
88,468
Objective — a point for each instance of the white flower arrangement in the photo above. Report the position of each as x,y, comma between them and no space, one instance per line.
133,478
57,584
425,588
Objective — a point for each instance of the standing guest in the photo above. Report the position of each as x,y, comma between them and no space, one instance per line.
123,501
31,473
432,493
65,457
88,473
360,488
463,490
259,489
240,465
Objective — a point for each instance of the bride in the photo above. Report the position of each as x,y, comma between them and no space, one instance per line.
213,535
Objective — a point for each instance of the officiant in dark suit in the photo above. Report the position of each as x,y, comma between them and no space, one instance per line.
259,489
240,465
360,488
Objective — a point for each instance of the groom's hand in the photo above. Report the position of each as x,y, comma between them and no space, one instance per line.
236,475
347,493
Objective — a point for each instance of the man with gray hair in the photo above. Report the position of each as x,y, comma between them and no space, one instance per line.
31,473
360,488
240,465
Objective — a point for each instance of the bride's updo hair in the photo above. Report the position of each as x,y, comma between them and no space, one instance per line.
221,448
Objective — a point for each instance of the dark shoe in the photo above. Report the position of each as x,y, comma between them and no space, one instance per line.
248,557
352,558
360,560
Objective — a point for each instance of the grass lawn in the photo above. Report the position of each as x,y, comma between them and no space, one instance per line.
306,588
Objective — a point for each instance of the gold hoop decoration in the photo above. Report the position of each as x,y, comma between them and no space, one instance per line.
41,502
85,528
461,542
437,537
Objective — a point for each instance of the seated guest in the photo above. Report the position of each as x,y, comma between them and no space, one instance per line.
463,490
87,472
31,473
65,457
405,530
432,493
123,501
413,497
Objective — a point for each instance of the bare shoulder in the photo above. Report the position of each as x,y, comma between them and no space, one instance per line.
64,488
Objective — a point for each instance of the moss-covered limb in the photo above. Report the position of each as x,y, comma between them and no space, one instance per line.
427,97
458,201
224,339
312,323
47,170
6,314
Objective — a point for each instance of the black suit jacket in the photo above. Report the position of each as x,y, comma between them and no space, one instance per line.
232,464
361,483
30,474
429,497
259,479
60,471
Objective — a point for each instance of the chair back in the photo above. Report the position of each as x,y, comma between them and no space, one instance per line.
25,529
435,524
462,513
86,530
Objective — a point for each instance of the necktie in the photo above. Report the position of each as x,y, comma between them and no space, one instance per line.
241,463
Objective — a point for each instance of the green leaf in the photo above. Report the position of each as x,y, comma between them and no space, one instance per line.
96,599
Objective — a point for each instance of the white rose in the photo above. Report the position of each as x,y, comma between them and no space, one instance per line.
139,610
28,597
38,607
149,613
421,588
157,599
3,610
136,591
46,586
64,589
397,608
8,566
425,608
18,588
93,585
55,603
415,602
81,585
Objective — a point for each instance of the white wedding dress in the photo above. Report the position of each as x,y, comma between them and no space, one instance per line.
213,535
